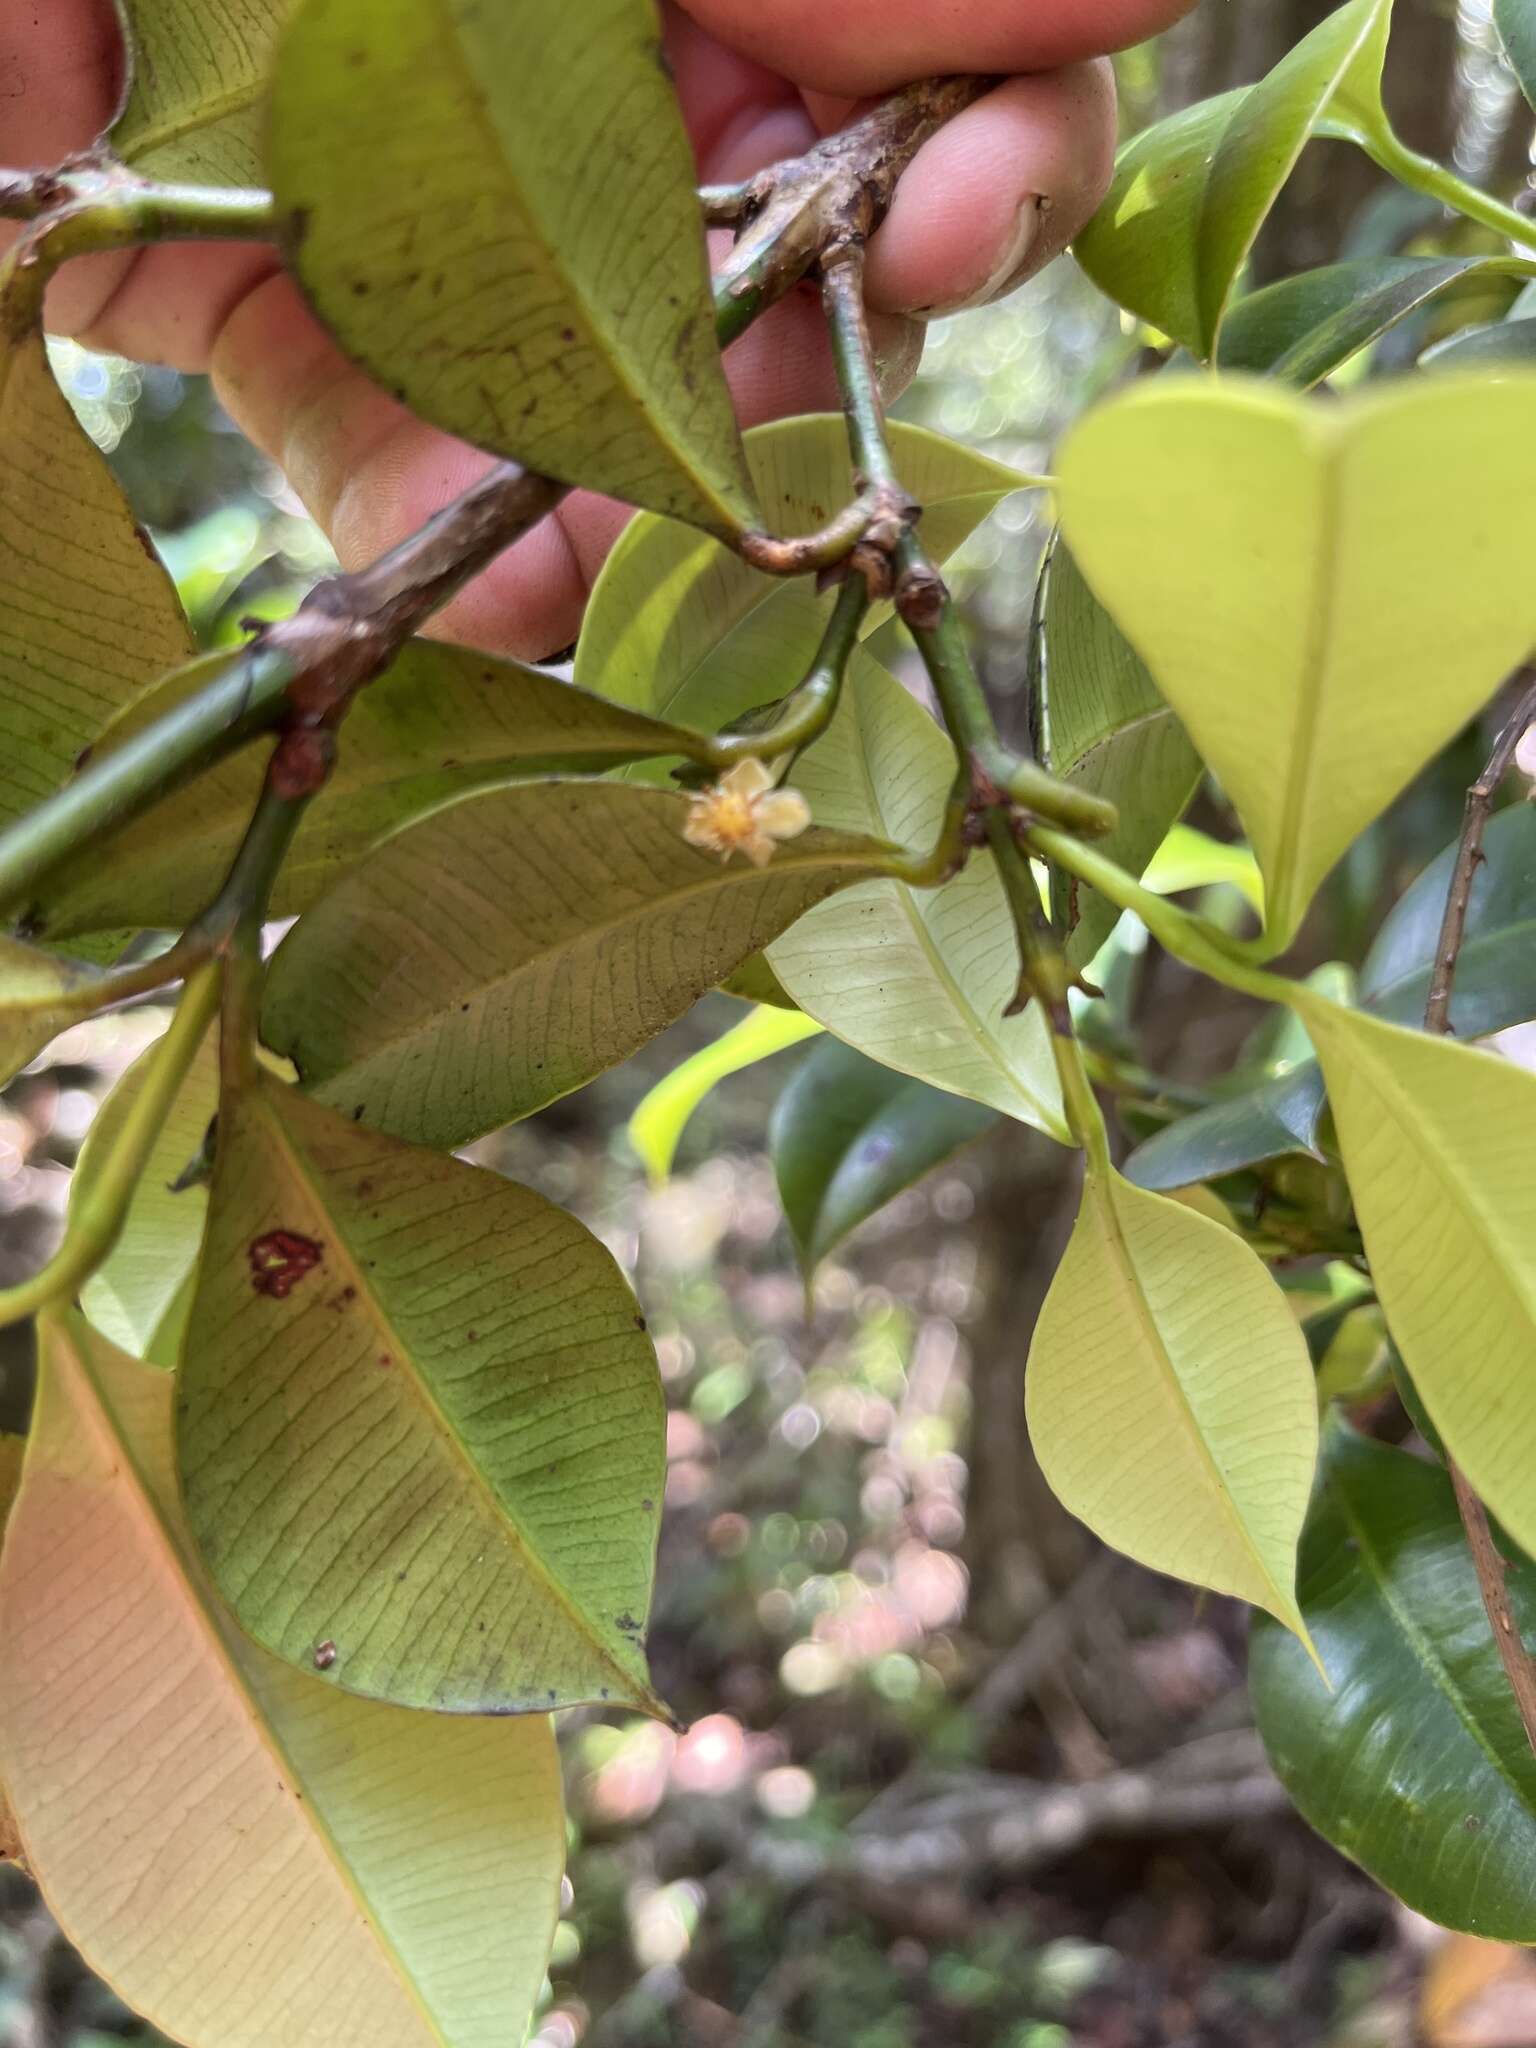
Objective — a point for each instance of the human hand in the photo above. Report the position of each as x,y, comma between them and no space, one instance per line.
757,83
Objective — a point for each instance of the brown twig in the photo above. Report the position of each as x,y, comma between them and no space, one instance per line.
1519,1667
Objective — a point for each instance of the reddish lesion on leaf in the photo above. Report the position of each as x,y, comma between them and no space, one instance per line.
279,1261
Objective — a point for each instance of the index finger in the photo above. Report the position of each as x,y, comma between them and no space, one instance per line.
871,46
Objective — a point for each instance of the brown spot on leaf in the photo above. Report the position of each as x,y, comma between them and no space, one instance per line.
279,1261
325,1656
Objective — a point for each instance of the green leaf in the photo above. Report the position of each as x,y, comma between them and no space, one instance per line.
755,982
12,1450
1304,328
919,979
657,1126
198,79
419,1420
1170,1396
497,217
1415,1764
41,994
243,1853
440,722
1515,21
1437,1140
513,945
680,627
1188,859
141,1294
1280,1115
1105,728
1191,193
1325,594
848,1135
1511,342
87,613
1495,982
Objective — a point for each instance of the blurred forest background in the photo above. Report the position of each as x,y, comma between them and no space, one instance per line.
953,1777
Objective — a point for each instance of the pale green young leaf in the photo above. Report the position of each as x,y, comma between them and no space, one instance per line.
513,945
660,1118
848,1135
1414,1763
678,625
198,72
1304,328
140,1294
87,613
41,994
440,722
1437,1140
1325,594
918,979
1516,24
1190,859
182,1794
1104,728
496,215
1191,193
1170,1397
419,1421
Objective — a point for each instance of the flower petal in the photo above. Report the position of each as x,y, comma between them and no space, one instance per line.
748,778
785,813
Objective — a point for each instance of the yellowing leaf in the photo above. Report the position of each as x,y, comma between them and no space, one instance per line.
246,1855
1438,1142
497,217
511,946
662,1115
198,76
141,1293
1324,593
918,979
87,614
420,1421
1170,1397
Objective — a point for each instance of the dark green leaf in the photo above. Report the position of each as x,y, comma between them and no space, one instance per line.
1415,1763
493,210
1306,327
1281,1115
419,1421
1506,341
511,946
440,722
1105,728
848,1135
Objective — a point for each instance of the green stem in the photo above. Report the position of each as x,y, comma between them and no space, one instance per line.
96,1216
809,709
1423,174
1085,1119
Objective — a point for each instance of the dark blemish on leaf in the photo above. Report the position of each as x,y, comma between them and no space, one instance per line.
360,288
640,1322
567,334
648,1506
385,1361
473,1336
603,1694
463,1009
279,1261
400,1578
325,1656
82,757
357,1114
1472,1825
364,1190
628,1623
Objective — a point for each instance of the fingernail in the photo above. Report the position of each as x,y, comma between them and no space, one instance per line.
1012,267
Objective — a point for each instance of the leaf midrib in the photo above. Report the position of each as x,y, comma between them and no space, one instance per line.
208,114
291,1149
1313,686
186,1575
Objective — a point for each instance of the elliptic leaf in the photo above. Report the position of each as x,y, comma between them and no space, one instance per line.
141,1294
919,979
440,722
1105,728
1505,342
1280,1115
1437,1140
41,994
511,946
1191,193
1415,1763
87,613
680,627
246,1855
420,1422
657,1126
848,1135
1170,1396
1516,23
1304,328
198,79
1325,594
497,217
1190,859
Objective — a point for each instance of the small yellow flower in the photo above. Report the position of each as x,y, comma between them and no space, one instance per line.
744,813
